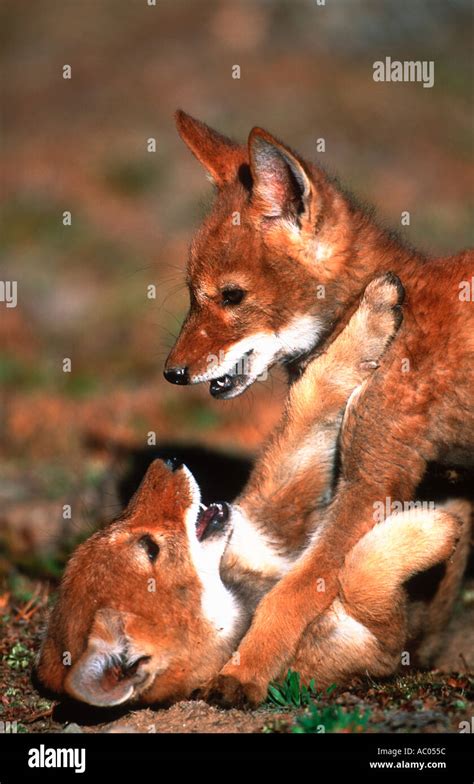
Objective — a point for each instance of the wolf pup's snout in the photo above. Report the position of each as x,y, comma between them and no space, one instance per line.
177,375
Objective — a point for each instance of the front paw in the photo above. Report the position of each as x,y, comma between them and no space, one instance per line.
227,691
378,319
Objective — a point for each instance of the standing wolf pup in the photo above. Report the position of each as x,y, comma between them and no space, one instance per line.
274,273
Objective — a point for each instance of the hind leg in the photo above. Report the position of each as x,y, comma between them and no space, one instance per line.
428,619
338,646
365,630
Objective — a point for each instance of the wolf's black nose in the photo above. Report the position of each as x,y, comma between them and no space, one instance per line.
177,375
174,463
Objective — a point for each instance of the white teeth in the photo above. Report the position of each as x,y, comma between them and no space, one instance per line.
202,507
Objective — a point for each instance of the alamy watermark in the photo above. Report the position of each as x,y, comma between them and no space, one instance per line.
9,293
389,70
241,368
389,506
43,756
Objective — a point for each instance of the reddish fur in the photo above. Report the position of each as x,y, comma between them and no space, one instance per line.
402,420
287,491
104,595
104,574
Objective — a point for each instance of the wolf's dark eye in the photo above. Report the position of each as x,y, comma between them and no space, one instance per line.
232,296
151,547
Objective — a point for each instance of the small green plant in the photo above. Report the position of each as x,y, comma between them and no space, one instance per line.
291,693
330,718
19,657
13,698
11,692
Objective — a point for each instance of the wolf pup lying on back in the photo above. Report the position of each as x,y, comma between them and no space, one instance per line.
274,273
151,607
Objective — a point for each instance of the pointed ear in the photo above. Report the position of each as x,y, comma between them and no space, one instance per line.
104,675
220,156
281,184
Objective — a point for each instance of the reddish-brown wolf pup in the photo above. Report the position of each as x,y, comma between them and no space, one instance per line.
274,273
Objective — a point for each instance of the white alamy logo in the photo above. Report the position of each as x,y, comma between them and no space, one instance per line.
46,757
8,727
243,367
466,290
389,70
8,293
389,506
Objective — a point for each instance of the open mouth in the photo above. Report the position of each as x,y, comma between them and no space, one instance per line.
212,520
232,383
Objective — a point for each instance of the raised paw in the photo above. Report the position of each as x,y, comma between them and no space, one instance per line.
384,297
378,319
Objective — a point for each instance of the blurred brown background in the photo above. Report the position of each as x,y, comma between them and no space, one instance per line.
81,145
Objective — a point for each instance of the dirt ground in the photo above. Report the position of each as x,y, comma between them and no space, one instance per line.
434,701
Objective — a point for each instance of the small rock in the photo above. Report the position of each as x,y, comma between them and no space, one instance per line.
119,728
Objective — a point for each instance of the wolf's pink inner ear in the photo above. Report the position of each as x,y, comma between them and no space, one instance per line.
100,676
220,156
281,185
